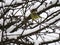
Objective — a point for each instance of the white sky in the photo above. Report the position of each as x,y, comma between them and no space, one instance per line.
30,30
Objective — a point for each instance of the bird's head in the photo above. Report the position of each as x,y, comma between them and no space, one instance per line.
33,11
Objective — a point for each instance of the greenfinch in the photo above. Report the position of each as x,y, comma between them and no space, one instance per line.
34,15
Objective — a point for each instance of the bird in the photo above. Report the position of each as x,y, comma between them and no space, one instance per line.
34,14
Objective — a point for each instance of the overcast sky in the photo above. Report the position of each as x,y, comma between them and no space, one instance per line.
27,14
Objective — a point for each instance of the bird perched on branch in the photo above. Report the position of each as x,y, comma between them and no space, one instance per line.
34,14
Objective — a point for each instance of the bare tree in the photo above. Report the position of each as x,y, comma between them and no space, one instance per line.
15,16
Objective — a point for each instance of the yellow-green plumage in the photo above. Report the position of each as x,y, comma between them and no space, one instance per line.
34,15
